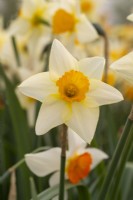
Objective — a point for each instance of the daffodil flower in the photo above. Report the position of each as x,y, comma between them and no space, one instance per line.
71,92
79,160
31,18
124,66
67,20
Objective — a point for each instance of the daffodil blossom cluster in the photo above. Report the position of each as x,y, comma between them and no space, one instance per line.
54,59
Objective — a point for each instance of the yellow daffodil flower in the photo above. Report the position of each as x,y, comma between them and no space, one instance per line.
71,92
30,19
67,20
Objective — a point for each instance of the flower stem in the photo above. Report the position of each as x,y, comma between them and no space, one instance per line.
15,48
103,34
116,157
63,161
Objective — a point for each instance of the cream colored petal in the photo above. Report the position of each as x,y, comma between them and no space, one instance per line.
124,66
45,162
50,115
85,30
92,67
31,111
97,156
84,121
102,93
130,17
74,141
60,60
54,179
38,86
19,26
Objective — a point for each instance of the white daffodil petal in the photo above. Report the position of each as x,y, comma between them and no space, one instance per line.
38,86
97,156
92,67
85,30
61,60
54,179
84,121
130,17
124,66
45,162
102,93
50,115
75,141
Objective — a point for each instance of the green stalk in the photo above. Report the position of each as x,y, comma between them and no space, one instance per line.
15,48
63,161
103,34
116,157
121,166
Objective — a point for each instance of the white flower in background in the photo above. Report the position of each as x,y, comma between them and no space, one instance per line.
79,160
71,92
67,20
124,66
29,105
30,19
130,17
92,8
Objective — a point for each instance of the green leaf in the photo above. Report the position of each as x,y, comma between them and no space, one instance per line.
127,182
83,193
21,135
18,117
33,189
118,157
53,191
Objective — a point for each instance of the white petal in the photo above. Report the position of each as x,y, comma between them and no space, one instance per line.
60,60
38,86
85,30
19,26
74,141
92,67
31,114
102,93
84,121
54,179
45,162
130,17
97,156
124,66
50,115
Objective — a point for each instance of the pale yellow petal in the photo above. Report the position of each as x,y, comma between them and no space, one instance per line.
61,60
45,162
84,121
38,86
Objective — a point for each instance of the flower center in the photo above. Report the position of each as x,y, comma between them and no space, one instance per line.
63,22
78,167
86,6
73,86
36,17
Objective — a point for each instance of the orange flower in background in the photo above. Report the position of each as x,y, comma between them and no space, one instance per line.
79,162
